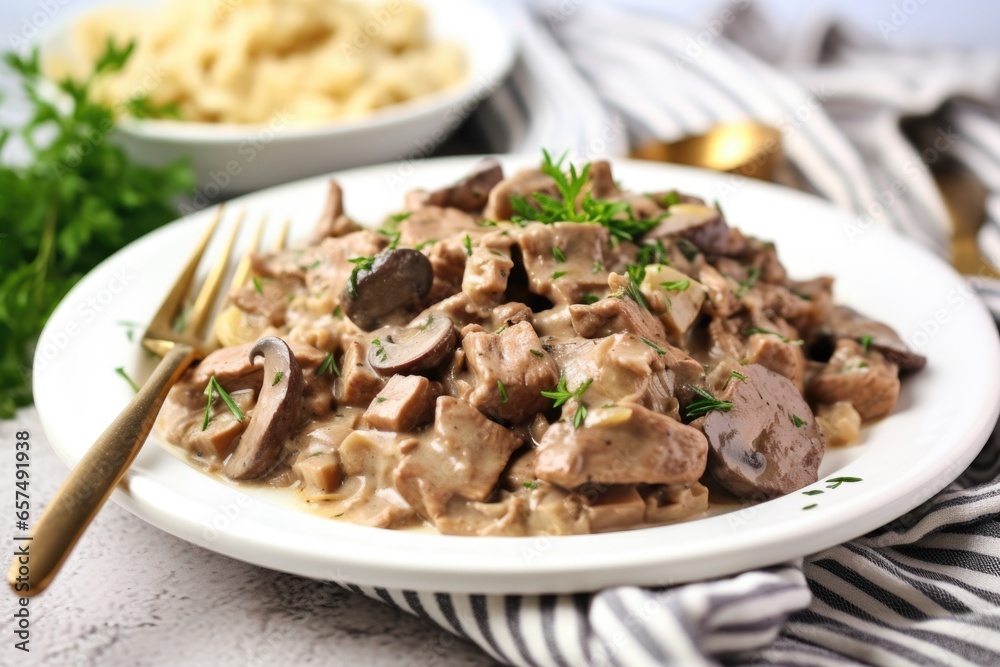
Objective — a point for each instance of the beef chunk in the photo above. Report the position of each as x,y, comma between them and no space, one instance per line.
768,444
560,259
509,359
358,383
486,274
867,380
469,194
332,221
616,314
522,184
625,444
465,458
406,402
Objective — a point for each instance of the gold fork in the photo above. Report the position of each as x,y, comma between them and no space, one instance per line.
94,478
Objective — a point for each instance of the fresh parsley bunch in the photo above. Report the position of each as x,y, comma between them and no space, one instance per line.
77,200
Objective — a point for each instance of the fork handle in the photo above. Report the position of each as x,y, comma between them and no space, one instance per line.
93,479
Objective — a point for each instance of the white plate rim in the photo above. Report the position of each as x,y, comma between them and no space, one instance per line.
563,564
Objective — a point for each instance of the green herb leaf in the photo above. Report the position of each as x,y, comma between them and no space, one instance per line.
866,342
834,482
560,393
814,492
598,267
809,507
277,378
579,416
688,249
558,254
659,350
360,264
381,399
558,274
421,246
676,285
734,374
503,391
211,390
258,285
329,365
590,299
121,371
705,404
531,485
467,242
798,421
753,275
538,353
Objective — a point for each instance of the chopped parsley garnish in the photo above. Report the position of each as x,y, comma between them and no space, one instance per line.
503,391
814,492
734,374
277,378
558,254
258,285
399,217
809,507
531,485
338,311
538,353
783,339
753,275
211,390
707,403
561,393
652,253
379,349
467,242
670,199
834,482
573,205
121,371
590,299
659,350
427,323
676,285
558,274
798,421
866,342
487,223
421,246
328,365
393,238
598,267
360,264
688,249
381,399
500,329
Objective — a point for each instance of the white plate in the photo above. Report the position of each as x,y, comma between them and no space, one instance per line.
230,158
943,418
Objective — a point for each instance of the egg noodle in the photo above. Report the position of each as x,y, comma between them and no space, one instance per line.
242,61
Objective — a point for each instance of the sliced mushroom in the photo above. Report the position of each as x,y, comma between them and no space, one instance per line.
332,221
414,349
848,323
470,193
702,225
275,414
397,281
768,444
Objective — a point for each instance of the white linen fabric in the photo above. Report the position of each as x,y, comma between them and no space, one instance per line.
596,78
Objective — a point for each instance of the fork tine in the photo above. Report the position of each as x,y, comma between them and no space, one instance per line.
164,318
243,268
279,243
205,301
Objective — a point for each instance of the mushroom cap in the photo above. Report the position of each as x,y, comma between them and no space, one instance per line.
414,349
758,449
398,280
274,416
848,323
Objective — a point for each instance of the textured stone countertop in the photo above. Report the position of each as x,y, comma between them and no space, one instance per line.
133,595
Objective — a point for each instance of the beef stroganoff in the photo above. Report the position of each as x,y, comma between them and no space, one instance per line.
540,353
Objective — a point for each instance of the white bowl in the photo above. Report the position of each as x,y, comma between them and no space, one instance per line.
229,159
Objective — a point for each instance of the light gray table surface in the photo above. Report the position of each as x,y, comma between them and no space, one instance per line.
133,595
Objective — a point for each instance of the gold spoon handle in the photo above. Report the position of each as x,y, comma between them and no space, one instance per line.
93,479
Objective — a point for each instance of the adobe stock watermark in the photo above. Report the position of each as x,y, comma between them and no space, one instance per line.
899,15
362,36
33,23
248,150
424,148
53,343
559,14
711,30
887,198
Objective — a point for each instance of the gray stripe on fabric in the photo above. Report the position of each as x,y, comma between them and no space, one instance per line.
478,604
413,600
957,646
936,594
447,607
810,617
547,608
512,614
870,588
968,560
637,630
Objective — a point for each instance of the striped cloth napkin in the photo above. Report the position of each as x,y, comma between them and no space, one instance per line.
599,78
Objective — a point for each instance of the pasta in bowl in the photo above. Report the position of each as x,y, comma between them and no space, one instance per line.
264,92
539,353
